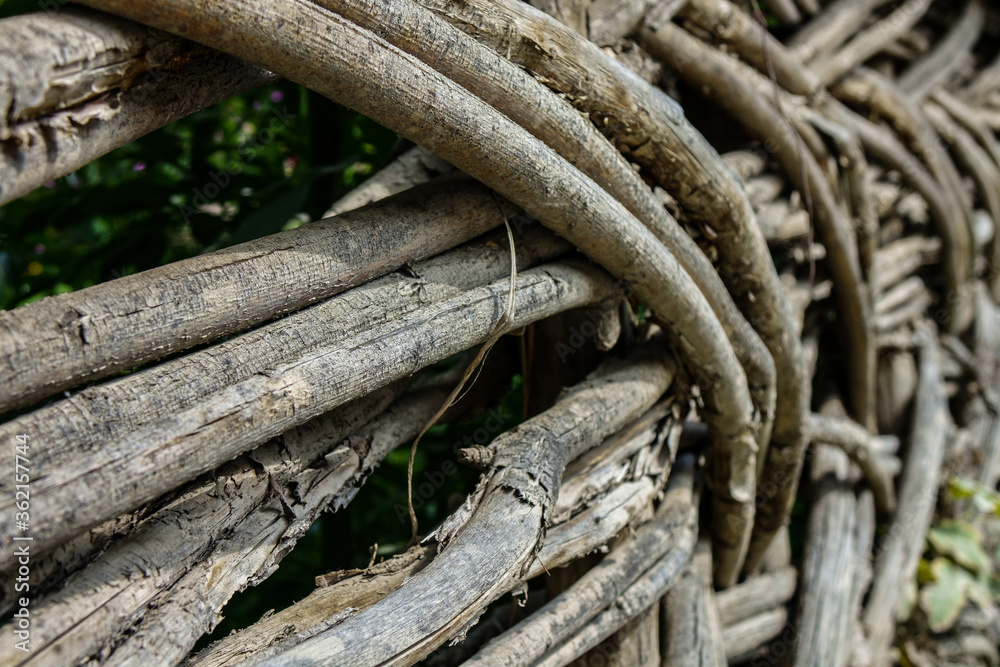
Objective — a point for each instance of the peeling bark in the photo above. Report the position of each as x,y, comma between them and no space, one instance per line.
66,340
141,464
491,550
78,84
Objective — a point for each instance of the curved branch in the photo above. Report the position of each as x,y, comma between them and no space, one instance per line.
347,63
493,549
650,129
549,118
703,66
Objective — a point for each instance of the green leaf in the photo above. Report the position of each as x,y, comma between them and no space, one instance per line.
943,600
978,590
962,542
961,487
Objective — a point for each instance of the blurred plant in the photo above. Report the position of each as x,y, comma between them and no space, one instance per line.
956,567
237,171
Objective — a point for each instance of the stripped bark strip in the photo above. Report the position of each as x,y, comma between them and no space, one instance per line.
77,84
171,627
52,568
556,123
155,458
218,536
599,587
493,549
351,65
330,603
68,431
68,339
650,130
898,553
703,66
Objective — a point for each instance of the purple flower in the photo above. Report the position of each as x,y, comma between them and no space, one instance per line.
139,166
256,106
277,96
39,249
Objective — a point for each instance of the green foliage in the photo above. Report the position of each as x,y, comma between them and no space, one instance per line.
242,169
957,568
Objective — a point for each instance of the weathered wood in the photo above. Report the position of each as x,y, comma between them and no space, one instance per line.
563,542
730,83
976,162
599,587
864,450
870,41
839,20
950,53
743,639
938,183
898,552
553,121
596,472
77,84
899,259
148,461
747,37
348,63
692,633
490,548
610,20
756,595
68,339
651,130
65,430
221,534
706,68
825,621
640,596
636,644
571,13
